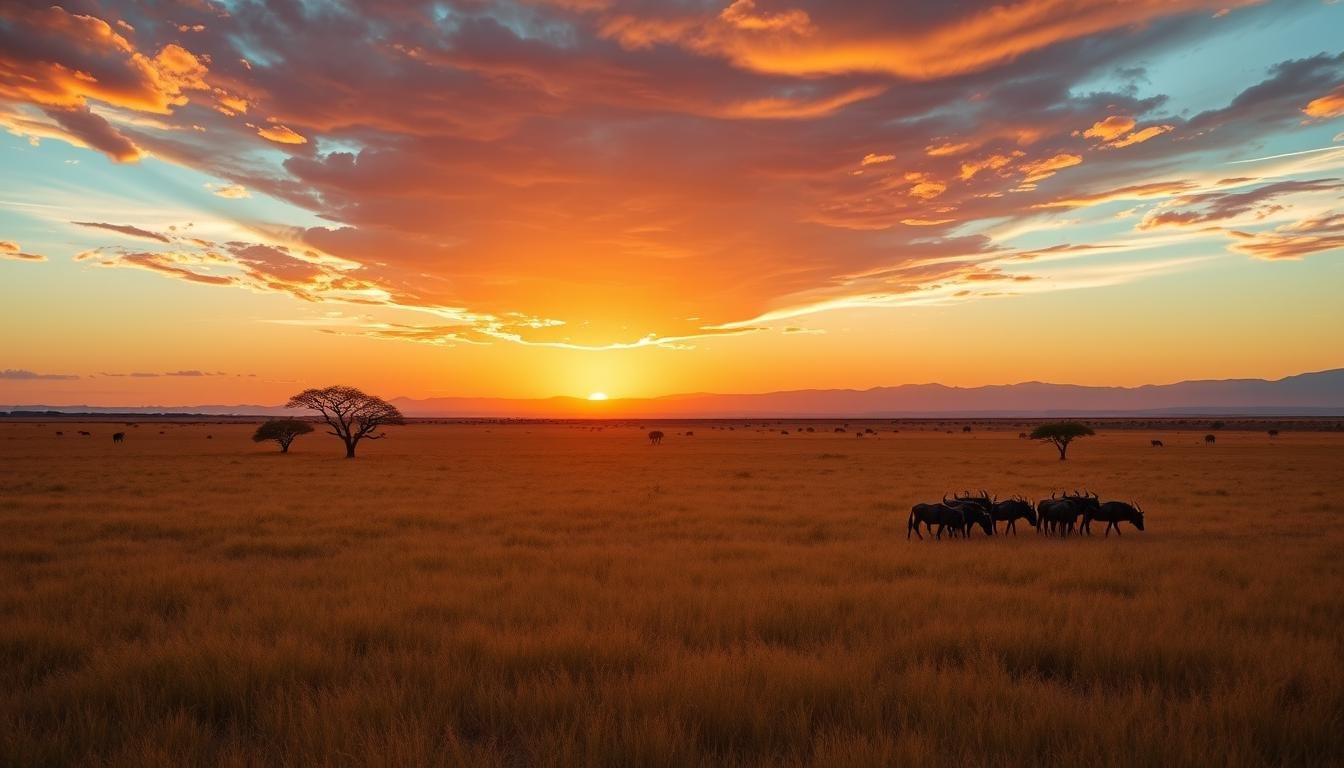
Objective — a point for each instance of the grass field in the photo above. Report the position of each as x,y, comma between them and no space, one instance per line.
556,595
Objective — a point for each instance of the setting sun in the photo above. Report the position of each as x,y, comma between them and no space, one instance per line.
598,396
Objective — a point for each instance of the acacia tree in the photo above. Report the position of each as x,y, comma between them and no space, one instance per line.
1061,433
282,431
351,414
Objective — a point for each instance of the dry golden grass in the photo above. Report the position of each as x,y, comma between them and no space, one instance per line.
551,595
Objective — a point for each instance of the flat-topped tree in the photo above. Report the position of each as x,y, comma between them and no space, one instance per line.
351,414
282,431
1061,433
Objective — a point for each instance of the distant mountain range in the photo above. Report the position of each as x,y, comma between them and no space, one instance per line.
1308,394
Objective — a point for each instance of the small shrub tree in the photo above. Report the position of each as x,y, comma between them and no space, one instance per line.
282,431
1061,433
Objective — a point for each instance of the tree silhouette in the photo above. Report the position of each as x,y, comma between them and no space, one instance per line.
1061,433
282,431
351,414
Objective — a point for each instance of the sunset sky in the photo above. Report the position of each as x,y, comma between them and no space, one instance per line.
224,202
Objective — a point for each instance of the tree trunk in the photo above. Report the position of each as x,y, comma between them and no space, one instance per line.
284,447
1062,448
349,449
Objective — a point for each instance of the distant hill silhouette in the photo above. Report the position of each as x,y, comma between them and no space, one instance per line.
1308,394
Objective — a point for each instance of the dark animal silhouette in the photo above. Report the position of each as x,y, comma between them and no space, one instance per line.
85,434
1113,513
1209,439
1157,443
656,437
60,434
1059,515
119,437
1273,433
952,517
1010,511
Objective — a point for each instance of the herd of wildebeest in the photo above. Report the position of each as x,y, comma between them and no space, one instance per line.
1059,515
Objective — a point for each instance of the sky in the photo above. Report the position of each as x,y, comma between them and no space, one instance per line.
225,202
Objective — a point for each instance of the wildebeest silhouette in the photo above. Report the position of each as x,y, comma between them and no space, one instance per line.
1157,443
60,434
945,516
1059,515
1273,433
1010,510
655,437
1114,513
1209,439
85,434
118,437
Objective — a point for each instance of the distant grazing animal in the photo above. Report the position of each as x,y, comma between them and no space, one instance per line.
1157,443
209,437
690,434
1010,510
839,429
1209,439
60,434
119,437
656,437
85,434
1273,433
1113,513
1022,435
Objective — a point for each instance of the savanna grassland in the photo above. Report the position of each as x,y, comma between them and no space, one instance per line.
558,595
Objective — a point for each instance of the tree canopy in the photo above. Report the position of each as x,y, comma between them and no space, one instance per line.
351,414
1061,433
282,431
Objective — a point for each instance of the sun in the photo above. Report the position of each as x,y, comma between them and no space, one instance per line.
598,396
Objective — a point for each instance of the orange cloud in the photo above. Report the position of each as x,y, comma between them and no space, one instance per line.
11,250
1293,241
924,187
1131,192
1140,136
742,14
970,168
872,159
1111,128
947,148
792,43
230,191
1047,167
281,134
1329,105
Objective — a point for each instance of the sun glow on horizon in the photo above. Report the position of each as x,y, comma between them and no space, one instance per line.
596,396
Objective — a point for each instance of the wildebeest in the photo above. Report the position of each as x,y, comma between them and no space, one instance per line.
1273,433
1209,439
1114,513
655,437
118,437
1059,514
85,434
952,516
1157,443
1010,510
60,434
